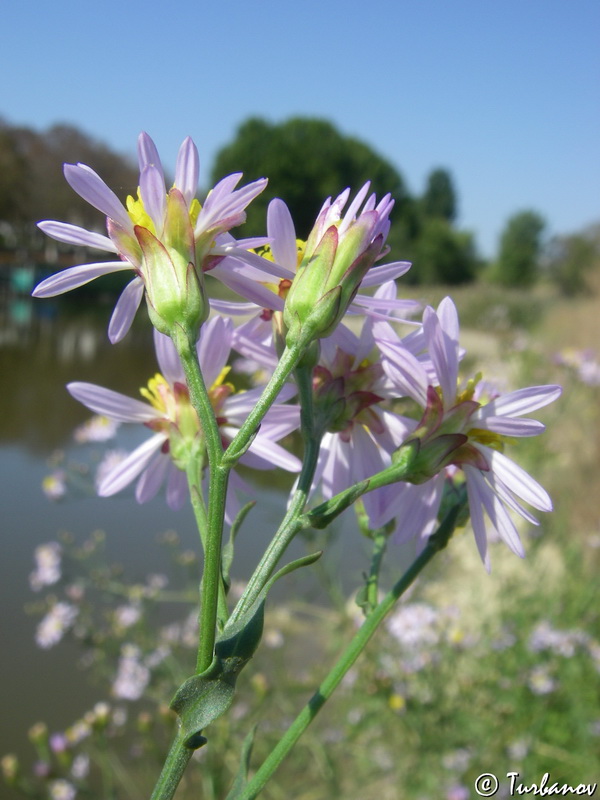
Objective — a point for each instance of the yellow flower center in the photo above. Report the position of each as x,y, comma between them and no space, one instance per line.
496,441
157,393
139,216
469,390
282,288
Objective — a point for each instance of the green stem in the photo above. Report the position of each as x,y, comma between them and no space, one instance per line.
380,540
193,474
323,515
213,606
204,528
292,522
172,771
212,579
199,396
347,659
243,438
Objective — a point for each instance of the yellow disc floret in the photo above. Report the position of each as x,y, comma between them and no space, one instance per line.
138,214
469,390
157,393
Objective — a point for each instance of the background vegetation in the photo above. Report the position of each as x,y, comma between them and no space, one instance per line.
474,673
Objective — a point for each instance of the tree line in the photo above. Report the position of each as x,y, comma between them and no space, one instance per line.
305,160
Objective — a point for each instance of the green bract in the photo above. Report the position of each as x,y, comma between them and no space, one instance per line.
174,288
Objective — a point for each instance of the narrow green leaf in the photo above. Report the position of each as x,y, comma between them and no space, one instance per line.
229,548
241,778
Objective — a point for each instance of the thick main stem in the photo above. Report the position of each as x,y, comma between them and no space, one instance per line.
212,588
172,771
211,522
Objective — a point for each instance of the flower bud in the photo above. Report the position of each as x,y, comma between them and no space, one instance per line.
338,254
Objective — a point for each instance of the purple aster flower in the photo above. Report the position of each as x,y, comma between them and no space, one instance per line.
351,387
285,250
338,258
478,429
167,238
177,432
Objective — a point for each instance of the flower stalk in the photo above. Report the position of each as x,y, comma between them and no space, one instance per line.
358,643
212,604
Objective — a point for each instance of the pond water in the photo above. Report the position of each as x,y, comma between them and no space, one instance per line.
43,346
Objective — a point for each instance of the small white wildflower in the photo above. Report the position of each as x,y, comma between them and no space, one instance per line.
80,767
540,681
54,485
119,717
132,676
273,638
127,615
47,566
79,731
96,429
62,790
414,625
560,643
519,749
55,624
457,760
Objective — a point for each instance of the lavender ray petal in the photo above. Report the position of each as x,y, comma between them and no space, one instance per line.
522,401
168,361
214,347
264,453
497,514
111,404
478,521
517,480
187,170
73,277
442,354
245,259
152,478
73,234
148,153
233,309
251,289
511,426
177,489
92,188
280,228
125,309
125,472
154,195
386,272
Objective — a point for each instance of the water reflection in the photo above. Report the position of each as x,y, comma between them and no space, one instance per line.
43,346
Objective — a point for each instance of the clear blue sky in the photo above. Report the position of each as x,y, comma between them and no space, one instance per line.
505,94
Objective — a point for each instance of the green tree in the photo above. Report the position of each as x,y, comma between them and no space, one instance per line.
439,199
570,259
32,184
306,160
14,184
520,250
443,255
